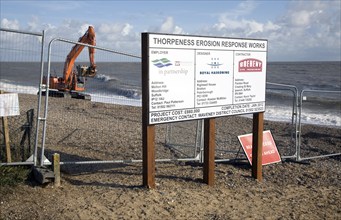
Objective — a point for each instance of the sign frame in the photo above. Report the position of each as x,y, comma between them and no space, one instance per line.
182,86
148,129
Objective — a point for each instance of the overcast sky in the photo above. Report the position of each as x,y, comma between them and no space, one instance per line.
306,30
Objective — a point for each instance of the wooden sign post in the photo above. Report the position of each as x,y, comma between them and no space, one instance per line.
257,143
209,151
148,156
148,131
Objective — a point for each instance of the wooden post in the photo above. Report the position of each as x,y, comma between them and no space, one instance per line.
148,131
209,151
257,145
6,136
56,169
149,156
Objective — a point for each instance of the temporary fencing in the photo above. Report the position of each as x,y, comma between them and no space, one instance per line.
228,147
185,139
89,127
109,127
287,96
294,137
21,59
324,106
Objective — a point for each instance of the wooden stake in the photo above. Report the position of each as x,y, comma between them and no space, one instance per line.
257,145
6,136
56,169
209,151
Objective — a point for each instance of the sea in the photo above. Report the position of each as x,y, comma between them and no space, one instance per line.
120,83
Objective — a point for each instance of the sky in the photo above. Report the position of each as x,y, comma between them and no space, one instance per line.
305,30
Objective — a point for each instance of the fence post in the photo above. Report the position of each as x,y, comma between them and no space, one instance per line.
56,169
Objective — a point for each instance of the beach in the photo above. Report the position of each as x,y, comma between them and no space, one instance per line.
87,131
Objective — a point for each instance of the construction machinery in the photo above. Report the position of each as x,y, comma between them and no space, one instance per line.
72,84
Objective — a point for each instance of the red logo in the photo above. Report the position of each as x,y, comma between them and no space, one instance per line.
250,65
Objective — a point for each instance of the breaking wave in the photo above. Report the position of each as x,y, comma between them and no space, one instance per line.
129,93
105,78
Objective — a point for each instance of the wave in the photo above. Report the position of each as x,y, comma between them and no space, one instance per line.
308,116
128,93
9,86
117,100
105,78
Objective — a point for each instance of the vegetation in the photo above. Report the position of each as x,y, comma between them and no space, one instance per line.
11,176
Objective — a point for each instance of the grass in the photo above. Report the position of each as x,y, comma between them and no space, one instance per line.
13,175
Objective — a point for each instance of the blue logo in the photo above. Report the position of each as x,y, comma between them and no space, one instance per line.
162,62
215,63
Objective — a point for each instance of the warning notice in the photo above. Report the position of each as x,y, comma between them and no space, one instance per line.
9,104
269,150
194,77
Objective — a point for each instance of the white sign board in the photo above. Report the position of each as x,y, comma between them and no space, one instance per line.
194,77
9,104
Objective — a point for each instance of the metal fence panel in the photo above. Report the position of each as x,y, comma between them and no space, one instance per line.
109,126
185,139
100,127
281,105
21,61
319,107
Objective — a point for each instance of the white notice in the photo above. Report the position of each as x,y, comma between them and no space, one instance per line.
9,104
195,77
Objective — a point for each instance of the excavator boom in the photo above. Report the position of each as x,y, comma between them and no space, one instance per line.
88,38
73,80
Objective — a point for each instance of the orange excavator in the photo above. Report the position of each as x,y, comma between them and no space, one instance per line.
72,84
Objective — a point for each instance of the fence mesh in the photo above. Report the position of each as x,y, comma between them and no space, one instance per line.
184,138
108,127
281,105
20,60
320,107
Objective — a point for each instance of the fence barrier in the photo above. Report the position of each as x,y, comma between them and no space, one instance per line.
322,106
21,58
229,149
287,100
190,143
88,131
102,127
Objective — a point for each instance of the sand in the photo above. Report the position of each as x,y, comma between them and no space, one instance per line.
84,131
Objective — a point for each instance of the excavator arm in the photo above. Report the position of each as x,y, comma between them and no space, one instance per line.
72,83
70,76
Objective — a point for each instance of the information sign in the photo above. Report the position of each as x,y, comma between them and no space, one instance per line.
9,104
269,150
195,77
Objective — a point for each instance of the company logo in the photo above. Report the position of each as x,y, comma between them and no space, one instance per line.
183,63
214,63
250,65
162,62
